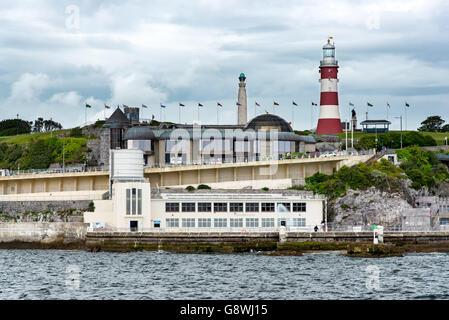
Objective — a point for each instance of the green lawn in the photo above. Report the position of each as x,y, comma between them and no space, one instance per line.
438,136
25,138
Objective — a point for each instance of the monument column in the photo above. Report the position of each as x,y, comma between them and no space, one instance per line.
241,102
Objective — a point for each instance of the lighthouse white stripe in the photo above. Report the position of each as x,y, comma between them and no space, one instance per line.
329,112
328,85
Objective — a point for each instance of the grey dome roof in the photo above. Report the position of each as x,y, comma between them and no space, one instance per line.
269,120
328,46
139,133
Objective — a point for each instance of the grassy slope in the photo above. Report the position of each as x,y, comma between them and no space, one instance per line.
26,138
438,136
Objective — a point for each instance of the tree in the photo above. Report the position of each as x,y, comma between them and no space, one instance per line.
445,128
431,124
11,127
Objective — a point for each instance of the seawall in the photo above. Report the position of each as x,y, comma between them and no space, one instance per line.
43,235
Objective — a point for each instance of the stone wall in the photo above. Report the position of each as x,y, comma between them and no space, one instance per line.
35,232
49,211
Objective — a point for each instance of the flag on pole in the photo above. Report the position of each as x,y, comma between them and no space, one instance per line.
290,123
351,104
369,104
294,103
257,104
219,104
152,117
314,104
200,105
406,104
144,106
88,106
275,103
388,105
107,107
181,105
238,104
162,106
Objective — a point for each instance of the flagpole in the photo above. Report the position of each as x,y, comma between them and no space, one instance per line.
293,115
405,118
160,113
218,122
346,135
352,134
179,114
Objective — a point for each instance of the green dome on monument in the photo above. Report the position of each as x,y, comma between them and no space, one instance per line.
242,75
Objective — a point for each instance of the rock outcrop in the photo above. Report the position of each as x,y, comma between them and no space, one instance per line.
372,206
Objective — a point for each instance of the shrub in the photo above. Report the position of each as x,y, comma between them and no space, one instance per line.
91,207
190,188
265,188
204,186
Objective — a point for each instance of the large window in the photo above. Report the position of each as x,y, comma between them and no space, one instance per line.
299,222
188,223
252,207
236,207
241,146
144,145
284,147
284,207
267,207
204,223
220,207
133,201
215,145
172,223
252,222
171,207
444,221
220,222
188,207
236,222
299,207
267,222
204,207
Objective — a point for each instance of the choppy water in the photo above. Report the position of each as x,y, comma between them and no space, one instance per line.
58,274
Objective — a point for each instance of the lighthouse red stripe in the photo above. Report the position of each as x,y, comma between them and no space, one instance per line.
329,99
328,72
329,126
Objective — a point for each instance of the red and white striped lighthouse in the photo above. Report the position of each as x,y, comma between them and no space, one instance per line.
329,120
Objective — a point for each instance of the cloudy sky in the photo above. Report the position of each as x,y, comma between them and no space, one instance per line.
55,56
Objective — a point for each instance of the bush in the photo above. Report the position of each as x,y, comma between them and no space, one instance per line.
76,132
204,186
190,188
91,207
265,188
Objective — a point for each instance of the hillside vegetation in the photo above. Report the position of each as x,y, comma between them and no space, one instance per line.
420,166
38,151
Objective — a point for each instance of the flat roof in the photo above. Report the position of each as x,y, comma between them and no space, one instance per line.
229,194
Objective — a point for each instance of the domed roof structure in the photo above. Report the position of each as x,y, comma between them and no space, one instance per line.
139,133
267,122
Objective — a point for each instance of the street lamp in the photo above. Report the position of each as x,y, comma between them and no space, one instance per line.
401,127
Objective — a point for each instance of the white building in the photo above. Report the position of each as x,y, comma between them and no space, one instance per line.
135,206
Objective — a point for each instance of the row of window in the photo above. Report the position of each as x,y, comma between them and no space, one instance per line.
234,207
233,222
